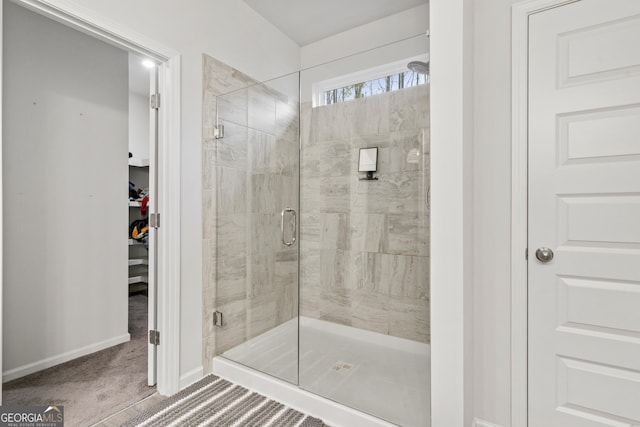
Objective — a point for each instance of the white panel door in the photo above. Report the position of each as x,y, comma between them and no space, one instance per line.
584,205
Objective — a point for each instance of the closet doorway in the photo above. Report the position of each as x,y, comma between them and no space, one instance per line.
67,254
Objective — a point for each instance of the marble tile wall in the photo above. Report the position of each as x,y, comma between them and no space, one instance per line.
364,247
249,176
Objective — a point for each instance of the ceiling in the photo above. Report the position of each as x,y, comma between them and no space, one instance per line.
307,21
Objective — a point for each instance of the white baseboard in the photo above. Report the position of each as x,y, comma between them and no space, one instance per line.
332,413
22,371
477,422
191,377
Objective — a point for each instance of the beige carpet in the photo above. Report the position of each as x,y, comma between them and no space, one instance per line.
95,386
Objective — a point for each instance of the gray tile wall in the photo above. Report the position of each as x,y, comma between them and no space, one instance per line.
249,176
364,259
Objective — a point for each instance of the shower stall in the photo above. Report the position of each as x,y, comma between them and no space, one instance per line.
316,227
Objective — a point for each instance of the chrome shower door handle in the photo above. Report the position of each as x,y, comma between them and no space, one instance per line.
295,226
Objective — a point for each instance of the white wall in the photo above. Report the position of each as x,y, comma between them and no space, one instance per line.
139,107
138,126
65,177
232,32
452,195
492,246
369,36
484,391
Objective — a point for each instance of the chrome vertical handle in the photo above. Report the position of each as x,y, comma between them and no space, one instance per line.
295,226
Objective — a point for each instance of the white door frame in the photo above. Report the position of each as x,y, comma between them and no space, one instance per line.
169,145
519,201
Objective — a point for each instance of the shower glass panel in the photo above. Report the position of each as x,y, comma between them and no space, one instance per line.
256,205
364,246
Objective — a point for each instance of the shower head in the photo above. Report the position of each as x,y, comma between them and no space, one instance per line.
419,67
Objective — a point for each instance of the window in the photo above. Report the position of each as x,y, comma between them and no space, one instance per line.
371,82
373,87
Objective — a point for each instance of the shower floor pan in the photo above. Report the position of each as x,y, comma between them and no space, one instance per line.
384,376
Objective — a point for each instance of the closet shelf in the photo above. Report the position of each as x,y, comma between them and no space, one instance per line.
138,279
139,163
138,262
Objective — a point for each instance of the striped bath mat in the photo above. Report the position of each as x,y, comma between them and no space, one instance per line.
214,401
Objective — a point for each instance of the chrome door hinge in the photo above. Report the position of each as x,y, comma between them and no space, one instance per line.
217,319
218,132
154,220
154,337
155,101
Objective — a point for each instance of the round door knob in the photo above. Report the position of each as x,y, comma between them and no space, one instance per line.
544,254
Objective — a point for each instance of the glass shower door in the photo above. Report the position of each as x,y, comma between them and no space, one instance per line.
256,184
364,248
